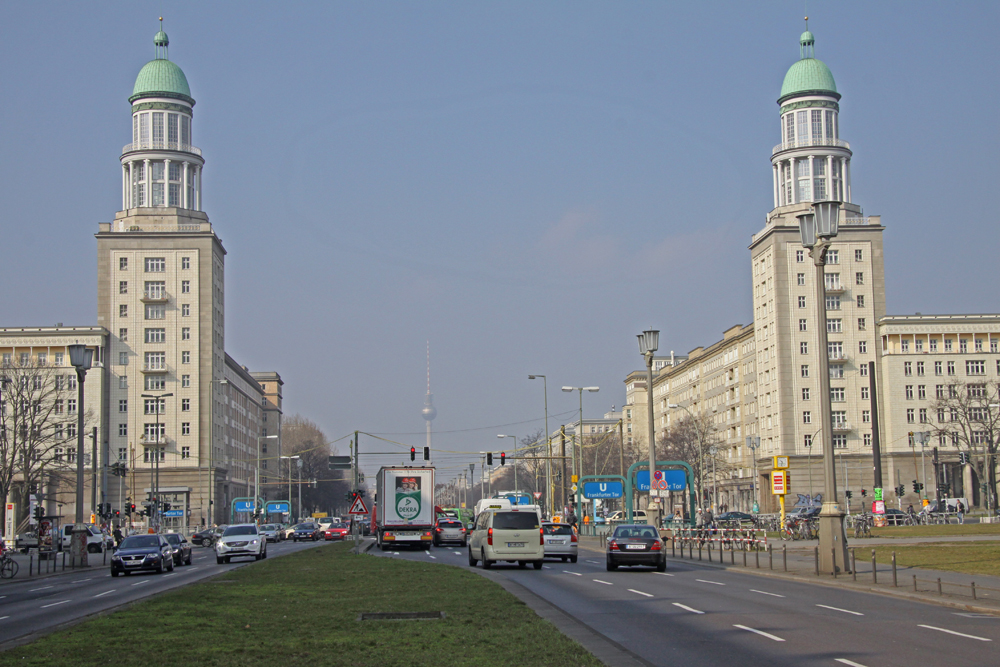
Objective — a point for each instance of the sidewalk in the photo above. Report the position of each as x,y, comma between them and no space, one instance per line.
49,568
798,563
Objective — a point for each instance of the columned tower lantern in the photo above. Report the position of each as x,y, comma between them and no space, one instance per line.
161,167
812,163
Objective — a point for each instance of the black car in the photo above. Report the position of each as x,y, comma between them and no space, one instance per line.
734,517
182,548
636,544
306,531
142,552
207,537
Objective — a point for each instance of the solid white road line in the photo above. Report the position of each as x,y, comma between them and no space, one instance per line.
39,589
632,590
687,608
664,574
105,592
845,661
958,634
140,583
606,583
846,611
759,632
753,590
575,574
706,581
44,606
2,597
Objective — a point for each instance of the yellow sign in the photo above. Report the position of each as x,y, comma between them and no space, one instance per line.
573,478
318,515
779,482
780,462
463,505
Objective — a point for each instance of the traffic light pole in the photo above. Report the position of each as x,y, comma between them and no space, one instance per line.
876,437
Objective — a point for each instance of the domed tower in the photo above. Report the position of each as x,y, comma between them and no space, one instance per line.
160,167
812,163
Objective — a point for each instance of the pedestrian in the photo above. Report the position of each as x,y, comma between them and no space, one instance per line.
699,518
961,512
118,536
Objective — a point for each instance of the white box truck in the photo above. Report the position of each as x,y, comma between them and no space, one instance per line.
404,509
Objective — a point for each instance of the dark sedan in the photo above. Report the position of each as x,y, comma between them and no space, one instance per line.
306,531
182,548
636,544
207,537
142,552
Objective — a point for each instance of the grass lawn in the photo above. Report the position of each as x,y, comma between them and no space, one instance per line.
967,557
944,530
303,609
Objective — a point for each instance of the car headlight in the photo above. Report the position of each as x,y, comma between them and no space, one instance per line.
116,557
253,542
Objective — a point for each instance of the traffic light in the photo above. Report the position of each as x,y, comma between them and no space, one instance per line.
963,457
916,487
503,458
413,453
901,490
427,453
39,512
361,493
848,494
945,489
131,508
118,513
489,458
349,496
166,507
864,493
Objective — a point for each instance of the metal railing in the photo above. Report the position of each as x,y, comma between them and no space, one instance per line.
161,145
838,143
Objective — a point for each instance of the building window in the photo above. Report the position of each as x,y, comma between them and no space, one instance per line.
833,302
186,333
831,280
123,287
963,345
185,452
909,392
835,326
907,368
807,440
123,335
939,391
978,345
904,345
802,325
152,406
951,368
947,345
975,367
801,279
185,310
805,370
994,345
800,256
937,368
123,263
923,415
185,263
868,439
863,370
920,368
123,405
859,278
934,345
123,382
156,335
941,415
861,324
185,405
185,380
156,264
155,383
807,417
837,395
859,255
185,428
156,361
866,416
803,347
123,358
802,302
863,346
835,350
122,433
922,392
185,287
839,441
57,406
156,311
185,357
805,393
860,299
123,310
836,371
910,416
833,257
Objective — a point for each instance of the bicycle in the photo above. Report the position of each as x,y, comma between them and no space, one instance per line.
8,566
863,526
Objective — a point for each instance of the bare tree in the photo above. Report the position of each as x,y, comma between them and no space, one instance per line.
305,439
691,441
968,418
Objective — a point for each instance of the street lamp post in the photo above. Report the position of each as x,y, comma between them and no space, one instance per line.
649,341
579,433
753,442
154,517
514,462
713,450
702,437
256,474
817,229
82,358
296,457
549,490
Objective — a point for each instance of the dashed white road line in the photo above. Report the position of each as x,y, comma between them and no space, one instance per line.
754,590
53,604
846,611
845,661
687,608
664,574
140,583
594,561
39,589
760,632
706,581
958,634
3,617
80,581
395,553
168,575
434,557
105,592
606,583
632,590
575,574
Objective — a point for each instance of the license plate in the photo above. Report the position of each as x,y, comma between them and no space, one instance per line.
635,546
514,545
557,541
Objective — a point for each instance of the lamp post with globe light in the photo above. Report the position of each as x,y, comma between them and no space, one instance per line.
82,358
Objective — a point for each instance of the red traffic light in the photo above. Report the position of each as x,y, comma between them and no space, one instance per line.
413,453
503,457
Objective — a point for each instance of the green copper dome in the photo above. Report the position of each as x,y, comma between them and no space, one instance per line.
160,77
808,75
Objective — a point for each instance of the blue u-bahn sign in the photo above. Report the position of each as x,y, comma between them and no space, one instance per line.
608,489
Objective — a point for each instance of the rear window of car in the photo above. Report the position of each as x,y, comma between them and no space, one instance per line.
515,520
450,524
623,531
240,530
557,530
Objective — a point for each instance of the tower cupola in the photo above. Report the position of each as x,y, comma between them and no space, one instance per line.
161,167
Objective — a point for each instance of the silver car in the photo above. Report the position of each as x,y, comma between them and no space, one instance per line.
449,530
560,541
272,532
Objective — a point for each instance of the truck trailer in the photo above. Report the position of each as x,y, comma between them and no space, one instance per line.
404,510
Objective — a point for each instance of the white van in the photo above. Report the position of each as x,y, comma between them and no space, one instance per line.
513,534
492,504
96,539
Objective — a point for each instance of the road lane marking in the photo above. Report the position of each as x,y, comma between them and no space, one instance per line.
632,590
434,557
846,611
105,592
140,583
594,561
39,589
849,662
395,553
79,581
2,597
706,581
53,604
952,632
687,608
664,574
169,575
3,617
753,590
606,583
760,632
575,574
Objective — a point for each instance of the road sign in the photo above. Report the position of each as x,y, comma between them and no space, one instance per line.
574,479
536,494
779,482
340,462
241,506
277,508
672,480
174,513
358,506
573,488
657,475
603,489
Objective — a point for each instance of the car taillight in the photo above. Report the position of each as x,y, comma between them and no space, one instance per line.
462,529
438,529
614,546
656,546
572,538
489,537
541,537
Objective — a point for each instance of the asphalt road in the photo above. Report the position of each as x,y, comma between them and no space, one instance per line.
29,606
694,616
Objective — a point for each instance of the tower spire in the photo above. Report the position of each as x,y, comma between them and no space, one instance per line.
429,412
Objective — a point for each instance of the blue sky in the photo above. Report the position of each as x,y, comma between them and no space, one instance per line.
525,185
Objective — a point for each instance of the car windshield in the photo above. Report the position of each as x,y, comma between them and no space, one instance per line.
173,539
240,530
304,526
515,521
141,542
635,531
557,529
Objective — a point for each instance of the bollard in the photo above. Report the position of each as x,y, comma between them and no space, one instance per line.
973,590
699,550
691,550
770,557
894,584
732,557
709,552
744,558
833,559
854,565
784,557
673,547
756,555
64,561
939,586
816,556
914,583
874,569
31,560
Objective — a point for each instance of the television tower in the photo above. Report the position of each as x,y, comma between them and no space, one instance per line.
429,412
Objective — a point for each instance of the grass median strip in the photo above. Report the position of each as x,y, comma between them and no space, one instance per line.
304,609
943,530
967,557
